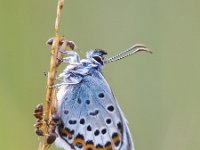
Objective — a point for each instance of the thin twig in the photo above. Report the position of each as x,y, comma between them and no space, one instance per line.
53,61
50,96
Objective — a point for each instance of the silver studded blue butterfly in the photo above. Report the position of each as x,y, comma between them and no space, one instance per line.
91,118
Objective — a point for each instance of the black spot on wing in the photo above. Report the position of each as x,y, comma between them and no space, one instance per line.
114,135
110,108
89,128
90,145
89,142
66,112
79,141
96,132
82,121
94,113
103,131
70,131
117,143
80,136
101,95
108,146
99,146
108,121
119,126
79,145
116,139
87,102
79,101
72,122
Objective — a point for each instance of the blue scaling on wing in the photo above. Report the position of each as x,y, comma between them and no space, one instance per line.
90,116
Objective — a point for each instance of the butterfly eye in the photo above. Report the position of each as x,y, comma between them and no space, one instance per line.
98,59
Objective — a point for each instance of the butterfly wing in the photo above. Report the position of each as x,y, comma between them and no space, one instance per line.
91,117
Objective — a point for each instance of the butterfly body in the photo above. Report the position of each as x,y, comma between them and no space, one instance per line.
91,118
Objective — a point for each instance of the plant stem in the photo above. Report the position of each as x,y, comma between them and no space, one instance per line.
50,96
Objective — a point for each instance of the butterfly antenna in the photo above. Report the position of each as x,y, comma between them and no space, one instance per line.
134,49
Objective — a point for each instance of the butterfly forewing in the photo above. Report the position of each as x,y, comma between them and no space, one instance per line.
90,116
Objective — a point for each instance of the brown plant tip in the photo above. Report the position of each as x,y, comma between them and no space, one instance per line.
59,59
51,138
39,132
71,45
55,117
38,115
50,41
49,126
39,108
38,112
62,40
38,124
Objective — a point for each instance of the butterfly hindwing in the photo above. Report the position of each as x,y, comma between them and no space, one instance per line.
91,117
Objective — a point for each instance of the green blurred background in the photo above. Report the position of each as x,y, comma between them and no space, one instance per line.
158,93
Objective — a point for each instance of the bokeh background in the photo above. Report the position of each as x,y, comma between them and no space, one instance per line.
158,93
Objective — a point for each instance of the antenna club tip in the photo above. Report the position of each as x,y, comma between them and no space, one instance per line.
145,50
149,51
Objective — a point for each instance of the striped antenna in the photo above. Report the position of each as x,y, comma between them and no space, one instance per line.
134,49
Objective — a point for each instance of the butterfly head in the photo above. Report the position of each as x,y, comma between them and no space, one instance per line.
97,55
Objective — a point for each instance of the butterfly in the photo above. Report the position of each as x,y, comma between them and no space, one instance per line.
91,118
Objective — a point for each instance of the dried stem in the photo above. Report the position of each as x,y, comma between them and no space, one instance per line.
50,96
53,61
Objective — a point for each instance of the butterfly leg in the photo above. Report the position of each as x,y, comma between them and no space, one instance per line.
73,58
58,85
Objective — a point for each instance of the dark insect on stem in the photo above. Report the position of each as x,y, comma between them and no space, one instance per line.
52,126
38,113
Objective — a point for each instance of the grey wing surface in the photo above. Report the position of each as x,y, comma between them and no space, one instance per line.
91,117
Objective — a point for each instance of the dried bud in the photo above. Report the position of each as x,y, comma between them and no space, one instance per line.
51,138
38,124
38,112
50,41
39,108
39,132
71,45
61,41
